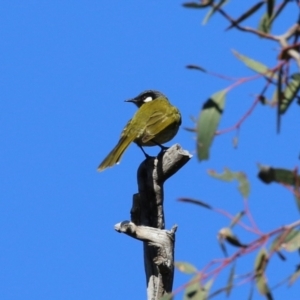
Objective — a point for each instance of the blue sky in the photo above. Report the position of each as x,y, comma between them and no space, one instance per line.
66,69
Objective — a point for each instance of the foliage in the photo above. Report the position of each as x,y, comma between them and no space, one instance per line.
285,85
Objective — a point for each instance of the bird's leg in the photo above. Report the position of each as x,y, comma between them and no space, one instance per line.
146,155
163,148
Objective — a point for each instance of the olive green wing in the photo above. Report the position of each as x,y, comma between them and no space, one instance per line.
126,129
156,123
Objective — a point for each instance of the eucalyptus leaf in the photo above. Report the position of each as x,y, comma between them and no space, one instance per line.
261,261
291,242
265,23
185,267
167,297
197,202
213,10
236,218
246,14
193,290
260,277
295,276
254,65
196,4
270,7
268,174
208,122
228,175
290,93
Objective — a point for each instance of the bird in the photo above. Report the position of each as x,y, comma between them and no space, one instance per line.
155,122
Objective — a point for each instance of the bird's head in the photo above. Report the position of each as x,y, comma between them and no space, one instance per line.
146,96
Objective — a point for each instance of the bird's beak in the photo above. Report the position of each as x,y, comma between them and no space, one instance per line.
133,100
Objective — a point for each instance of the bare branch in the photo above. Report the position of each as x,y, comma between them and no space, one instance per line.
147,219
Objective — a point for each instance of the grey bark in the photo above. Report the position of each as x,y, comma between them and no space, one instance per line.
148,223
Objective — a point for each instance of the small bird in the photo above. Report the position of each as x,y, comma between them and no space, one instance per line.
155,122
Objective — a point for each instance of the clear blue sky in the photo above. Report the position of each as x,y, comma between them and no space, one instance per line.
66,69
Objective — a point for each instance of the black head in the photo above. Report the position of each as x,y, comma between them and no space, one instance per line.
145,97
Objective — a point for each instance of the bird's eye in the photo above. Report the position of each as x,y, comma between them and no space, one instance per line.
148,99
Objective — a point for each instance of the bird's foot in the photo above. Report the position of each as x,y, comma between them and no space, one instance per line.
162,149
146,155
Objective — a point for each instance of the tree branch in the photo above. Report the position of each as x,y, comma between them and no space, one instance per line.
147,219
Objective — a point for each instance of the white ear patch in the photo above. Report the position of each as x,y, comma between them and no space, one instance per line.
148,99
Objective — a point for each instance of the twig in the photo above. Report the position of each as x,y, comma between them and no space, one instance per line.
250,217
242,28
256,101
231,217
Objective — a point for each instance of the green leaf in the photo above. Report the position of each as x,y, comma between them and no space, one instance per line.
285,176
261,262
279,10
288,177
265,23
244,186
217,292
292,241
167,297
197,202
297,194
295,276
260,278
254,65
262,99
197,5
193,290
213,10
230,280
205,289
208,122
261,284
247,14
185,267
270,7
236,218
290,93
227,234
194,67
279,240
268,174
279,98
227,175
274,99
208,284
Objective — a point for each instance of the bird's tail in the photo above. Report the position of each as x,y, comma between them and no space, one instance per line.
115,155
